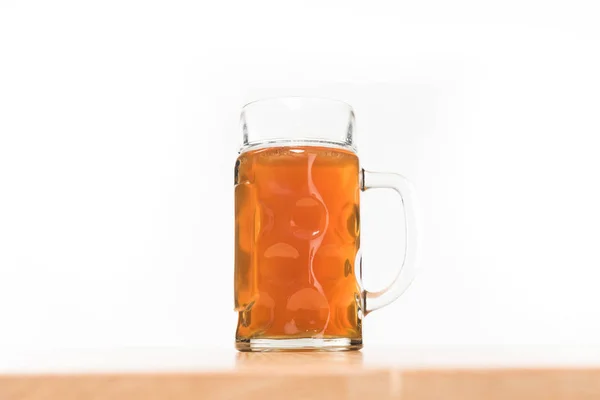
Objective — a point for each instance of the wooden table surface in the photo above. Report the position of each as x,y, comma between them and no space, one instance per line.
375,373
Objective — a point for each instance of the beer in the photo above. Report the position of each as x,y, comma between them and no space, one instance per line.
297,233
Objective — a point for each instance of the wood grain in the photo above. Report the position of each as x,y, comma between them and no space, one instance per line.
312,376
199,386
517,384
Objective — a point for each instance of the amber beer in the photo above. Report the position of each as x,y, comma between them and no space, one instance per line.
297,235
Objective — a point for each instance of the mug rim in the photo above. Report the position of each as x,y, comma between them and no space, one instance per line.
309,107
307,99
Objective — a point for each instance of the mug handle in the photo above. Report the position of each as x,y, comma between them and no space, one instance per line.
408,267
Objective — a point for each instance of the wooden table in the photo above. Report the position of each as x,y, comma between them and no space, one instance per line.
403,373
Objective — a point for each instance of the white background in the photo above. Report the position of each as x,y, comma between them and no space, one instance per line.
119,132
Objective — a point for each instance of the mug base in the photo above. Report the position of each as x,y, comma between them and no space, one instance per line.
301,344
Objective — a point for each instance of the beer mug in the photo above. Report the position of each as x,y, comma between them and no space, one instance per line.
298,265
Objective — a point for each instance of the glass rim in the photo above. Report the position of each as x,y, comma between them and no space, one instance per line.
307,99
306,107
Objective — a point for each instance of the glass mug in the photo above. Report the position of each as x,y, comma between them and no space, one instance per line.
297,228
